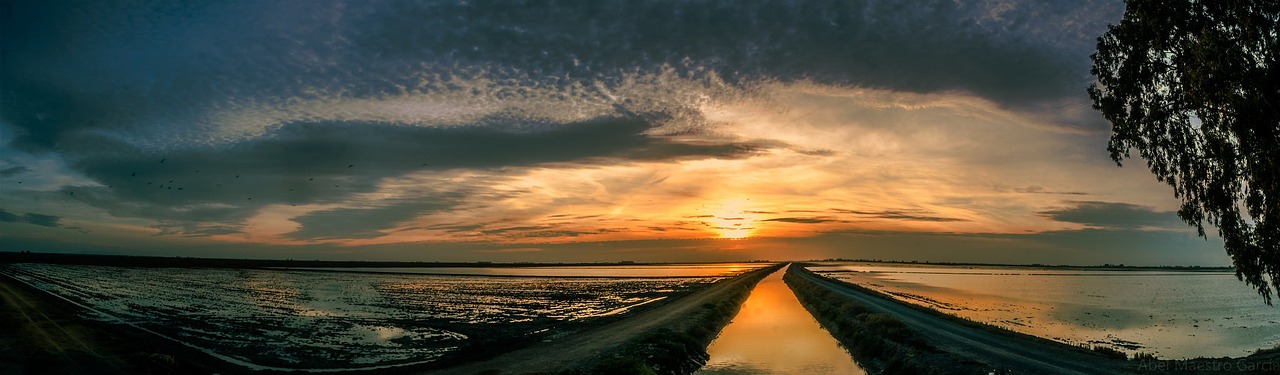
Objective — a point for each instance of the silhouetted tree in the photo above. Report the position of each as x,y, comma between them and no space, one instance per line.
1193,86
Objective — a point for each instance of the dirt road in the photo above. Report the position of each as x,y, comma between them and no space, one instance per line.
42,339
1023,354
561,353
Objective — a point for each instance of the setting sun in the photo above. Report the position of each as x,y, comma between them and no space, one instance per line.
731,221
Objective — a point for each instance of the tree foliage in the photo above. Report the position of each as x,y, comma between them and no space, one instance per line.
1193,87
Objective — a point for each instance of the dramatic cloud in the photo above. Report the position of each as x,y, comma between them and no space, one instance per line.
1112,215
139,69
803,220
906,214
1037,189
326,163
43,220
13,171
561,130
361,222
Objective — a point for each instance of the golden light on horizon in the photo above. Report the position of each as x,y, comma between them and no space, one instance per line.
731,221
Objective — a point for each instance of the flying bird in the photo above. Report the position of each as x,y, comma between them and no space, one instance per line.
350,165
134,174
162,160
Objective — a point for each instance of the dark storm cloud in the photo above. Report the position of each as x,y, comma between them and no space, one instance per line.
43,220
196,229
14,171
72,70
1112,215
344,223
329,162
134,94
918,46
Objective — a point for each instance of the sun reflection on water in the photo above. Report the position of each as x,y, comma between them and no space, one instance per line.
774,334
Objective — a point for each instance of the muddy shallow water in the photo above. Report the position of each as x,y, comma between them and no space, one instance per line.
662,270
332,320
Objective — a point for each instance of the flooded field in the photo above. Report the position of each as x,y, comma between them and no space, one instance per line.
1173,314
318,321
661,270
774,334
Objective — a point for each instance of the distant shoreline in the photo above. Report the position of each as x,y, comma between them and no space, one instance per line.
157,261
160,261
1102,267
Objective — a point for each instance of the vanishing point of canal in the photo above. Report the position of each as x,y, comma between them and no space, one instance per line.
774,334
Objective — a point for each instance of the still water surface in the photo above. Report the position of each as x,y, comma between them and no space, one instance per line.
1172,314
774,334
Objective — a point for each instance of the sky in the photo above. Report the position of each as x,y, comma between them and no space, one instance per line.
589,130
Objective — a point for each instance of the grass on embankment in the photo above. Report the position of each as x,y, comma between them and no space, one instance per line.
681,347
1263,361
879,342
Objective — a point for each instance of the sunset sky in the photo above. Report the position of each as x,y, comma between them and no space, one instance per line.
578,131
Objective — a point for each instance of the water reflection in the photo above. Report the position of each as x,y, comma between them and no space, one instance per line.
773,334
1172,314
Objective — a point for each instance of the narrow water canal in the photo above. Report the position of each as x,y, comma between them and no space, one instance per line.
773,334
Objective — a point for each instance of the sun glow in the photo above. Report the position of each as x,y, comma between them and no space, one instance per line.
731,221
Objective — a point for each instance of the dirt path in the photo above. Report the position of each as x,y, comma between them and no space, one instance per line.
995,349
558,354
46,344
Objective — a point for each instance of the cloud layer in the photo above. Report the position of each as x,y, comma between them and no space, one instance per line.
476,126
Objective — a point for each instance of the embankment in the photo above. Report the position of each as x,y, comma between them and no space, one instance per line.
888,336
879,342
